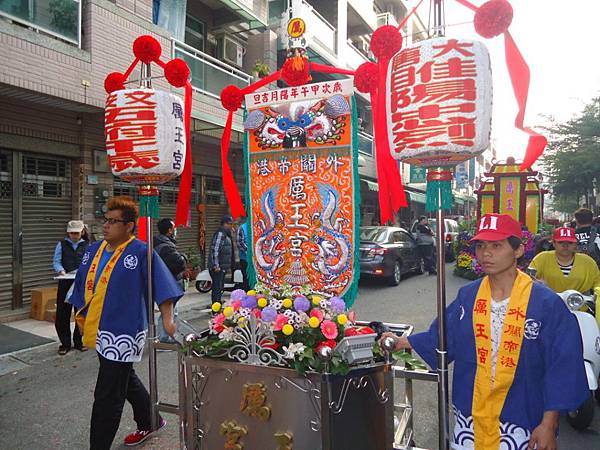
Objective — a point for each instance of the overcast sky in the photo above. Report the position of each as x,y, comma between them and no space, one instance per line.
559,40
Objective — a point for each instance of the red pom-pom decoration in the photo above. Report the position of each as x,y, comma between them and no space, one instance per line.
493,18
386,41
366,77
295,71
232,98
147,49
114,81
177,72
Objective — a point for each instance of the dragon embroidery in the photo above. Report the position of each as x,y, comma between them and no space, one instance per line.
267,249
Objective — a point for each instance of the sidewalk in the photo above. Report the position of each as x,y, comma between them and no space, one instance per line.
193,304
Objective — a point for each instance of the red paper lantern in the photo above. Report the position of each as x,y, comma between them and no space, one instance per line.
366,77
386,41
177,72
232,98
147,49
114,81
493,18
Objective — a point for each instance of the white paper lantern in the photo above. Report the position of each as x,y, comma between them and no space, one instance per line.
439,102
145,135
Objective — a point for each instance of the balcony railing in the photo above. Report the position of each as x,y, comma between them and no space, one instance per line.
354,57
58,18
365,143
257,8
209,75
318,28
386,19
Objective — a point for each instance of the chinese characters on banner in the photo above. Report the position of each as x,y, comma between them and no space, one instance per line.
510,195
439,102
145,137
302,183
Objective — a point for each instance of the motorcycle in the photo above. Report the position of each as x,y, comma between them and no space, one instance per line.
583,308
204,281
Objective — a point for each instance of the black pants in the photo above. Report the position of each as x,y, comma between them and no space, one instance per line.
218,279
116,382
244,269
426,252
62,322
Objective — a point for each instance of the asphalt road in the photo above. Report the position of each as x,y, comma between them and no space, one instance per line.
47,404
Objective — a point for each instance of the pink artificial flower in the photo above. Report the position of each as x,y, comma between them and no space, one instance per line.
280,321
352,316
217,323
236,305
257,313
316,312
329,329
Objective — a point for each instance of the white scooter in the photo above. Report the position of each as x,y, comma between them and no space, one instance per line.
583,308
204,281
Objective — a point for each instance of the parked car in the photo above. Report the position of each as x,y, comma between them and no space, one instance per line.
450,230
388,253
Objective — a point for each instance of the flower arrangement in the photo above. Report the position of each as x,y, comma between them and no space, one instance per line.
467,265
302,325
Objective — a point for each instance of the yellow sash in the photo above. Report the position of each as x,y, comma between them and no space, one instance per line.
94,298
488,399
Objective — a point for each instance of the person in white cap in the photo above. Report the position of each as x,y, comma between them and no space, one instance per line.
67,258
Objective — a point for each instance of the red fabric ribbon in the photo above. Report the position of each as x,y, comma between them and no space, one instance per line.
401,25
519,77
141,229
468,4
391,191
229,186
182,213
316,67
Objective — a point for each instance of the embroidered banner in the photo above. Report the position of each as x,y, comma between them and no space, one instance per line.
303,183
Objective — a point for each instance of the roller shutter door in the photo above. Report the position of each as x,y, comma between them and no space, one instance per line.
6,230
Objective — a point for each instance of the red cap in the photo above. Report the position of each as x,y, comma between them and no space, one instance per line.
564,234
497,227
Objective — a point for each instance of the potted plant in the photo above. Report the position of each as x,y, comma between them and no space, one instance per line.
261,69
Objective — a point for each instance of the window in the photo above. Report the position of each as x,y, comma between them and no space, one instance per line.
213,192
399,236
195,32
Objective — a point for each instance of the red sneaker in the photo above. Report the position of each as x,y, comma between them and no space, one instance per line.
139,436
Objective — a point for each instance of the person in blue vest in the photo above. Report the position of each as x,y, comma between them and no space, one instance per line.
110,293
516,348
242,245
67,258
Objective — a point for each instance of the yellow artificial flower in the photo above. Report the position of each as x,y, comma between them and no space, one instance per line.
251,292
228,311
216,307
262,302
342,319
313,322
287,303
242,321
316,300
287,329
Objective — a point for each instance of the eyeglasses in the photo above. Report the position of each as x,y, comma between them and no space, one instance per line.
111,221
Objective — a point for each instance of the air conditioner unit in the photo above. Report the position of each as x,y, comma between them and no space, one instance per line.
230,51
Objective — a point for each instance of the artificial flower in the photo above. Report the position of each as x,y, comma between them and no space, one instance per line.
317,313
249,301
269,314
337,305
236,305
287,329
238,294
262,302
313,322
329,329
316,300
287,303
227,334
301,303
251,292
293,349
352,316
342,319
217,323
228,311
216,307
280,321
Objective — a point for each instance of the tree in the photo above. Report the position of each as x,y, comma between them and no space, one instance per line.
572,160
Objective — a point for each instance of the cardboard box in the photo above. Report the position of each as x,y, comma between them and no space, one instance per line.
50,315
42,299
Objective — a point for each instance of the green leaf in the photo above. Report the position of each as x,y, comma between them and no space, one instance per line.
409,359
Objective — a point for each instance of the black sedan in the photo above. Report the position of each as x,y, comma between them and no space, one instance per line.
388,253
